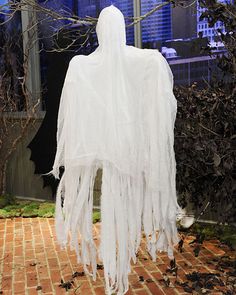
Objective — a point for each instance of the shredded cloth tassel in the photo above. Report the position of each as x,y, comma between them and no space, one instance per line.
122,217
117,113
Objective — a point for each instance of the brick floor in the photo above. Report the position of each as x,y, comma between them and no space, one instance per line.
31,262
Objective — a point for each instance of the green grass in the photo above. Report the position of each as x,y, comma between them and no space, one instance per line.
11,207
28,209
96,216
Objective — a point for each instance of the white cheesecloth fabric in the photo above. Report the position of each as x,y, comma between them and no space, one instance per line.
117,112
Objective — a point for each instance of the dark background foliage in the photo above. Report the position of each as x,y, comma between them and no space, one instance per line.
205,155
205,134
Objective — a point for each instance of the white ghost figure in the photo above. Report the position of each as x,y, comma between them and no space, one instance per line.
117,112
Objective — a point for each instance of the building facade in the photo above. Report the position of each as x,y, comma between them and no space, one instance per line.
203,27
158,26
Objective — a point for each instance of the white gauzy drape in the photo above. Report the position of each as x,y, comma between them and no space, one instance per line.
117,112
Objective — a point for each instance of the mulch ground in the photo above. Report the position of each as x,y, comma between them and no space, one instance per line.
31,262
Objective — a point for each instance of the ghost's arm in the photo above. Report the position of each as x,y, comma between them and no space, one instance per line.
160,201
168,79
61,121
167,103
162,109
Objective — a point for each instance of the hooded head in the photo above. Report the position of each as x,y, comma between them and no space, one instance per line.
110,28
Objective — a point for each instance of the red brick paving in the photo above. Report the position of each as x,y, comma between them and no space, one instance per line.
30,259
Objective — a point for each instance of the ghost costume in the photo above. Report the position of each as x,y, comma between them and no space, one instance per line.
117,112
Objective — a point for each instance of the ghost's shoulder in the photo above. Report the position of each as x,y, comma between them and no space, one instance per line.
75,60
157,58
154,53
73,66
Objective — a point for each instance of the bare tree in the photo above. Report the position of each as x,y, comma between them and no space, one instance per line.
17,112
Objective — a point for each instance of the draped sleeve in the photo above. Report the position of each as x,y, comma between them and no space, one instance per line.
65,100
160,200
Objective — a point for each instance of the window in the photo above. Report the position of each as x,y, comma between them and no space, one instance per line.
11,62
174,28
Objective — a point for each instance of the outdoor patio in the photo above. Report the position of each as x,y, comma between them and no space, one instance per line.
32,263
127,132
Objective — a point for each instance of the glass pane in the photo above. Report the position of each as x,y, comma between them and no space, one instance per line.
11,61
174,31
157,27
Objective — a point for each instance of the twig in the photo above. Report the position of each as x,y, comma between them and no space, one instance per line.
204,127
150,12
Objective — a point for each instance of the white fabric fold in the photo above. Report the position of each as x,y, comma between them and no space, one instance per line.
117,112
